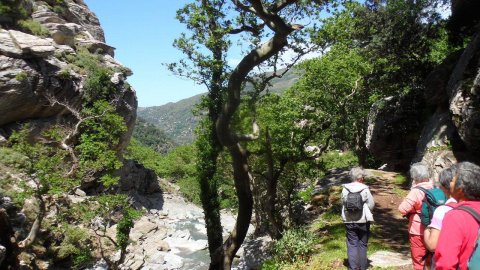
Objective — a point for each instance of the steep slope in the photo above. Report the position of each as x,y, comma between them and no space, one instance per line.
177,120
43,71
149,135
66,115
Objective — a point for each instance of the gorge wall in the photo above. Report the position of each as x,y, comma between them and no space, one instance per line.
39,83
438,124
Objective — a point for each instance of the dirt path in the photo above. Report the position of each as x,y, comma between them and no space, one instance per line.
390,225
389,228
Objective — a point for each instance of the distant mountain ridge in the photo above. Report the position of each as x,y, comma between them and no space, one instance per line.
177,120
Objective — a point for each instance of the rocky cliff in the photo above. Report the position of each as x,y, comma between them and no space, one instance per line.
66,101
443,125
39,81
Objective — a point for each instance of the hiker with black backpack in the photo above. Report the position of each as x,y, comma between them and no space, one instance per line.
357,206
411,207
457,246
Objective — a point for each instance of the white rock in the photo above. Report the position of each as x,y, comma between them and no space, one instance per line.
30,44
7,46
173,261
385,259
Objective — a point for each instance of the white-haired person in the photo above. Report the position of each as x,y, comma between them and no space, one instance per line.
432,232
357,209
411,207
458,237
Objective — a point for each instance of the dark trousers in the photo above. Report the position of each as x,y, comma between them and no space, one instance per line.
357,240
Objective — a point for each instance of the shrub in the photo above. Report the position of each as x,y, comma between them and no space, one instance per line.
85,60
190,188
21,76
12,158
58,9
65,74
98,86
337,159
75,244
99,137
11,11
296,245
33,27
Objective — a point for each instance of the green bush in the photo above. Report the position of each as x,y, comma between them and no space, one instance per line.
306,195
98,140
143,155
296,245
270,265
337,159
98,86
33,27
11,11
65,74
190,188
21,76
58,9
85,60
75,244
12,158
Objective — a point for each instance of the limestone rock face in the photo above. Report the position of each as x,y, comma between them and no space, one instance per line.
442,130
135,177
464,96
34,70
394,127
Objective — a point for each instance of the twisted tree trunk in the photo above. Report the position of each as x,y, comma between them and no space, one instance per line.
227,135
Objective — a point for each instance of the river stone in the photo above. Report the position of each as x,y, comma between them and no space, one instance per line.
385,259
173,261
142,228
253,252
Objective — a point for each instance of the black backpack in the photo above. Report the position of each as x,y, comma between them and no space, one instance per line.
354,202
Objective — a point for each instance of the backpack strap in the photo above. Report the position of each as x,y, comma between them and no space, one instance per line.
429,197
471,211
422,189
354,192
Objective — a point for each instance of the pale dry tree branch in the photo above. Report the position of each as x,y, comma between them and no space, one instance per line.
32,235
66,141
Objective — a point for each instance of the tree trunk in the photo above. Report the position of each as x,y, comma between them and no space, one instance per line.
208,151
224,256
208,145
361,148
275,226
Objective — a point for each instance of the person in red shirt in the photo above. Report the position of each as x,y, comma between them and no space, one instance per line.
411,207
459,229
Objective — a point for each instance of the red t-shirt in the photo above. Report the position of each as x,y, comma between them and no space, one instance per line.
457,238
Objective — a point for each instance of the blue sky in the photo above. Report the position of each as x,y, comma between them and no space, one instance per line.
142,32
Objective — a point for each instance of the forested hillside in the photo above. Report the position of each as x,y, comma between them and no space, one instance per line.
152,136
178,120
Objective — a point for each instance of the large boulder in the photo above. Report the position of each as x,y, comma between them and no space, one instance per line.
441,127
135,177
464,96
21,45
439,136
394,127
